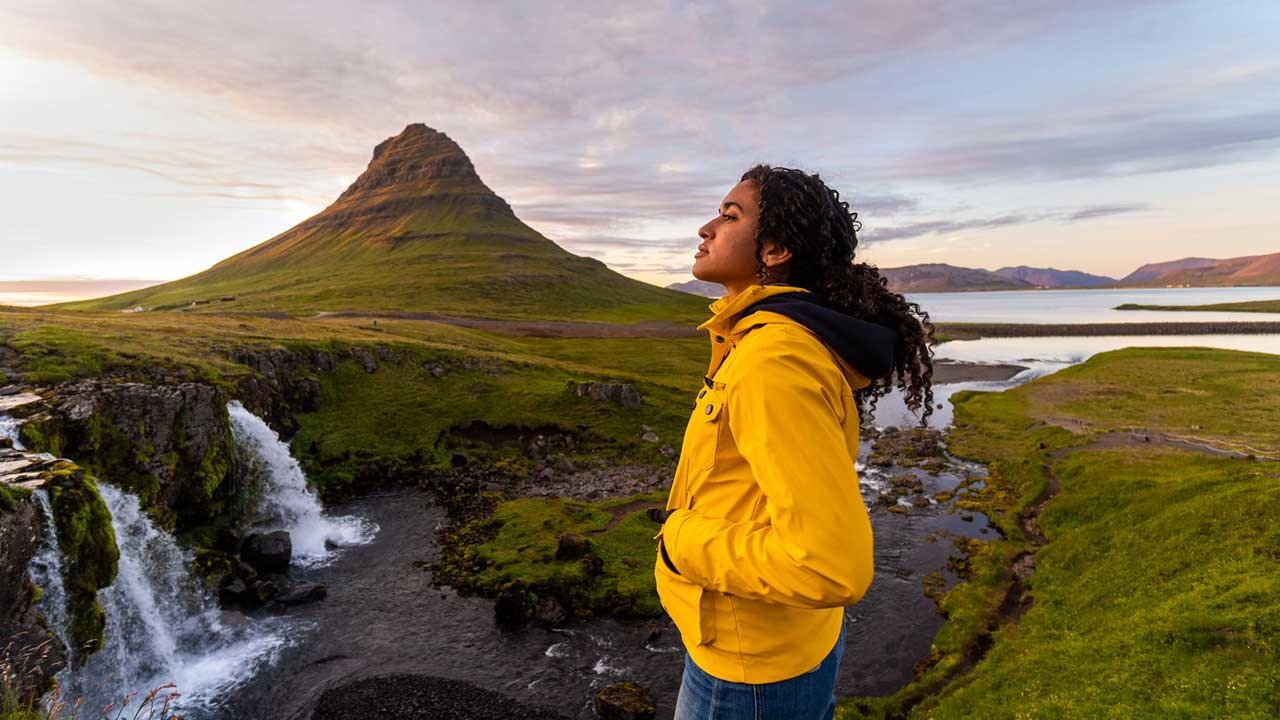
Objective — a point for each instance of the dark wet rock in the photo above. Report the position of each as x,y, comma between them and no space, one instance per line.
514,606
655,633
233,592
86,542
572,547
267,552
413,697
270,587
301,593
28,648
915,447
625,701
283,383
550,612
170,445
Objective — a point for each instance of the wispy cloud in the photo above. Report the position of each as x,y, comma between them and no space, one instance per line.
611,130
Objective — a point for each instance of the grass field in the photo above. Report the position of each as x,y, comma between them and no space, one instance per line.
1156,592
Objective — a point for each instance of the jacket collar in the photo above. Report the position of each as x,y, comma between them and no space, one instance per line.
726,310
864,347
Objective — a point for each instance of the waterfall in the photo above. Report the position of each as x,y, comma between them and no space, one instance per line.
285,502
45,571
9,429
162,626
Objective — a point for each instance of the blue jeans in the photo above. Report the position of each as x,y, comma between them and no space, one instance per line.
810,696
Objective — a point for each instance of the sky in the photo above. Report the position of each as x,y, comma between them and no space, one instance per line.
145,141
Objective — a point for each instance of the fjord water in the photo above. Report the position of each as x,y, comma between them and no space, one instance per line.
1090,306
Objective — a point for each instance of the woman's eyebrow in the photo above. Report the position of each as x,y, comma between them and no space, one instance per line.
723,206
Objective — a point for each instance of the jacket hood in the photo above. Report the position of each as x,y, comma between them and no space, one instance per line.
865,346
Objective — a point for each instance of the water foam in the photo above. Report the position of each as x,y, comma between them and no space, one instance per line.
285,501
163,626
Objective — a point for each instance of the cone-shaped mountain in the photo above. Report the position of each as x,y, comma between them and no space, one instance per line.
418,231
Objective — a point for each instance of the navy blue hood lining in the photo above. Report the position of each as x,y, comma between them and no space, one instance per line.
868,347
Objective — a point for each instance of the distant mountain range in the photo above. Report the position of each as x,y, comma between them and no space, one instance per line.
1050,277
940,277
699,287
417,232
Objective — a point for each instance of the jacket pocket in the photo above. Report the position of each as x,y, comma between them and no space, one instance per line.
707,414
691,607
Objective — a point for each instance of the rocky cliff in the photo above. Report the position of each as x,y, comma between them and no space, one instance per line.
168,444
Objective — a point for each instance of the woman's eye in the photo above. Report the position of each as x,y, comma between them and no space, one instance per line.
726,217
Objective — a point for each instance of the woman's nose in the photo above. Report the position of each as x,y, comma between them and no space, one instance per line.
704,232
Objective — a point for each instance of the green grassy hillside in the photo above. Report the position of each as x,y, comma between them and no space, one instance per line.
418,231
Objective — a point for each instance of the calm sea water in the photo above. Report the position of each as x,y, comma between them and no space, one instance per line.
1089,306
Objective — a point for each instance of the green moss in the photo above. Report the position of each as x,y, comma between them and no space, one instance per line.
89,552
517,542
11,495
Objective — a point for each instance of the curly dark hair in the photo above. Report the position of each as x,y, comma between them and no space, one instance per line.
808,218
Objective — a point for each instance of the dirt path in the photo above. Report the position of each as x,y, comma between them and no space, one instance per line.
622,511
538,328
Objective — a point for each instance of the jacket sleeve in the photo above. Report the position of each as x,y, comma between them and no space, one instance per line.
816,549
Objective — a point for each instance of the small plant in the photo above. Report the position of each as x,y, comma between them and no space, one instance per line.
24,675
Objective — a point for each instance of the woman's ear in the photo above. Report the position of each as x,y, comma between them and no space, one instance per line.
774,253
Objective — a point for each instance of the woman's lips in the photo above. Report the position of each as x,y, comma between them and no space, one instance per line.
700,253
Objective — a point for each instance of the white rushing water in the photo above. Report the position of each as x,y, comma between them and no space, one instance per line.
45,570
285,501
163,626
9,429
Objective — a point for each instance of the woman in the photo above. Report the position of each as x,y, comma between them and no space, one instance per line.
765,537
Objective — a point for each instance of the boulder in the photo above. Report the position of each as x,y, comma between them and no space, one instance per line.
302,593
572,547
365,358
514,606
550,612
625,701
267,552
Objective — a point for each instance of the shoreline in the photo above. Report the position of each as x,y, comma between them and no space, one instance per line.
957,371
974,331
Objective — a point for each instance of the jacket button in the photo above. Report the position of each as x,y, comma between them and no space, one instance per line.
709,409
719,339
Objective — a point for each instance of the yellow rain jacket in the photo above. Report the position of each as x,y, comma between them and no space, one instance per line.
769,538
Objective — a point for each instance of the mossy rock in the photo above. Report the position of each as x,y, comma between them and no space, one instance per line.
91,558
625,701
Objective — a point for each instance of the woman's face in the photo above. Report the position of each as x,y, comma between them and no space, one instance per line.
727,254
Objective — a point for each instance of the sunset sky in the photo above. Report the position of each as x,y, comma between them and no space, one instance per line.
150,140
